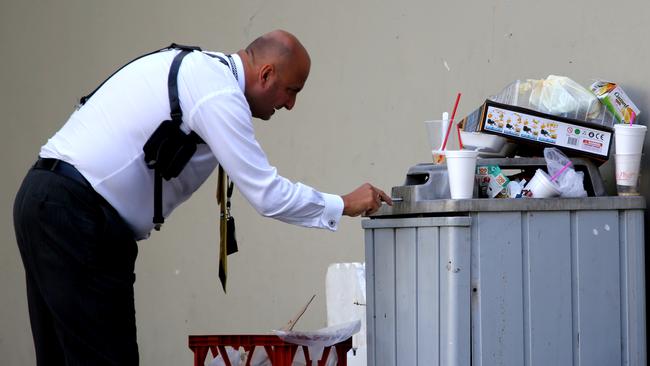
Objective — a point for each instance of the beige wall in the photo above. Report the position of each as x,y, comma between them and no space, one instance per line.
378,71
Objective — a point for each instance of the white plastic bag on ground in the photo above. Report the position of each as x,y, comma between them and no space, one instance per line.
319,339
238,357
345,291
234,356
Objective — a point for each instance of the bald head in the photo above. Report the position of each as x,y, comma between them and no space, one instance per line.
276,66
278,46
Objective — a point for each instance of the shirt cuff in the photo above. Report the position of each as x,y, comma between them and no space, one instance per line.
332,212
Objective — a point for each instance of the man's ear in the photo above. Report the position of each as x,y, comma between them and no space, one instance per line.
266,71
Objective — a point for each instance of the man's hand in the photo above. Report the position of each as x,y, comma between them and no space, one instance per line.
364,200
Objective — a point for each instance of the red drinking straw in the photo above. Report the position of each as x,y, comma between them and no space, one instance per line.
451,122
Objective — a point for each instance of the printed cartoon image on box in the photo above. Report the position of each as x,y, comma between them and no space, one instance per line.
548,132
530,128
512,122
495,121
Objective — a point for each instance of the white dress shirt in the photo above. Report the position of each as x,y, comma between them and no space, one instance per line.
104,140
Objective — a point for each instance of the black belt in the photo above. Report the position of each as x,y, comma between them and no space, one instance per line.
60,167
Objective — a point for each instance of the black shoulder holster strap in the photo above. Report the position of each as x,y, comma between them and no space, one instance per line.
173,46
168,149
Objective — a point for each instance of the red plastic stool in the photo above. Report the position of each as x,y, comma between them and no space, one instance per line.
280,352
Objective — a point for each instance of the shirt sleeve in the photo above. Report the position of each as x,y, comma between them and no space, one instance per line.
223,120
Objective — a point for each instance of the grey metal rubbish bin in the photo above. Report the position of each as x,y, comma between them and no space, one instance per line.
507,282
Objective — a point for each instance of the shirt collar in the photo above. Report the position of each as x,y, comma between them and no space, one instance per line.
240,71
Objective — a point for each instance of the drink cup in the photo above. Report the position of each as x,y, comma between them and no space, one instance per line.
541,186
438,156
629,138
461,168
436,131
627,174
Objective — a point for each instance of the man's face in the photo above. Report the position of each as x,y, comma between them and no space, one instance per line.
278,88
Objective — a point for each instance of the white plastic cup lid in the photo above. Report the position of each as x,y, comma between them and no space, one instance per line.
628,129
460,153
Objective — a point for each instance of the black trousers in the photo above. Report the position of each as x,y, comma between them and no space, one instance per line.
79,259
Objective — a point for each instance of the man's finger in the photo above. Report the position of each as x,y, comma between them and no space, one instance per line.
384,197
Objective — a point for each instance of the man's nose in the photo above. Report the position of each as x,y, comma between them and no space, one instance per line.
290,103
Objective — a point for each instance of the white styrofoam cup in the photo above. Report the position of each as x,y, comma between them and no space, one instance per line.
541,186
461,168
629,138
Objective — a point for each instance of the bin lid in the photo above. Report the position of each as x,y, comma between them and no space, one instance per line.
446,207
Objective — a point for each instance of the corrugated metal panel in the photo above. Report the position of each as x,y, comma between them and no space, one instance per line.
596,282
370,296
632,287
500,289
539,288
455,296
547,295
428,304
406,295
385,352
405,313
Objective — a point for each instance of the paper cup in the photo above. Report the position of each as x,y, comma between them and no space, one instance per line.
627,174
629,138
461,166
540,186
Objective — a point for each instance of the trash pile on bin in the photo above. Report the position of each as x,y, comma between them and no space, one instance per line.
556,118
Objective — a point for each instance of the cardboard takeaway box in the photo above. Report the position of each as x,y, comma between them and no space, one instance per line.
522,125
